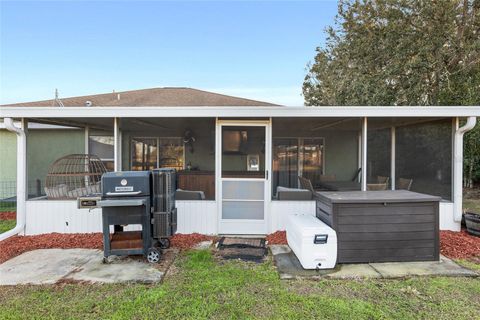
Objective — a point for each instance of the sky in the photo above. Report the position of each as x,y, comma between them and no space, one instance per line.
252,49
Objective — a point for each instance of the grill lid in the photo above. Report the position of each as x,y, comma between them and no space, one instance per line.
126,183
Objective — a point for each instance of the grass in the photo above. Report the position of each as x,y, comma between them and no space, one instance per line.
469,264
7,208
199,287
471,205
6,225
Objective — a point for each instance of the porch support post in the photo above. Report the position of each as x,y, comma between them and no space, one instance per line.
86,137
364,153
22,179
117,145
359,155
458,165
393,147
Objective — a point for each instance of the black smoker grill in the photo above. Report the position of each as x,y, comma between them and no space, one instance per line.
143,198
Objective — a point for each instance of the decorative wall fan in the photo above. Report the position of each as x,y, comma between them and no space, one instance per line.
189,139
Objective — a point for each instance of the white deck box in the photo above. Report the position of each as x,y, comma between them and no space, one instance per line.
313,242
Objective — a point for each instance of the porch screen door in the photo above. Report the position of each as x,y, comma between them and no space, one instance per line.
244,172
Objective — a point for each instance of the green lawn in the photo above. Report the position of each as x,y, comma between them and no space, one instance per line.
198,287
471,205
6,225
4,208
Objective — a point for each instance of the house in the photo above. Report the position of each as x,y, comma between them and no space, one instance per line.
239,161
49,141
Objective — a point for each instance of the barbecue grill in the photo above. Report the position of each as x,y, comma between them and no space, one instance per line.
144,198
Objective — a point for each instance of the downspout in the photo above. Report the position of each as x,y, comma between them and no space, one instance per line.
458,167
21,178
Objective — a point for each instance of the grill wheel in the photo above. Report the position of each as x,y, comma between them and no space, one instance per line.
153,255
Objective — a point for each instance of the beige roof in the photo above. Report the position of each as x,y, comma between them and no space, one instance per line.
150,97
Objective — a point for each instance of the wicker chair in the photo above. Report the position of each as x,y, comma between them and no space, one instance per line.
74,176
404,184
305,184
382,179
328,178
376,186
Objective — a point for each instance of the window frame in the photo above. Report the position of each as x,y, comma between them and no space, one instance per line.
157,139
300,143
104,160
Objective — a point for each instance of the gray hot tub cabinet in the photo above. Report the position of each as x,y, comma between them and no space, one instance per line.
382,226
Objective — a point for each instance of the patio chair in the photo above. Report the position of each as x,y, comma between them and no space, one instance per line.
404,184
355,177
291,194
376,186
305,184
328,177
382,179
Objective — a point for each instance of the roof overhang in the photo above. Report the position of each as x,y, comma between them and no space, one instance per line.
240,111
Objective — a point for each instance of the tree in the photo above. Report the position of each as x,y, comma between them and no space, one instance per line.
401,52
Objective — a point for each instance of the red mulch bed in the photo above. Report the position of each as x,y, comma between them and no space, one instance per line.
459,245
186,241
17,245
8,215
279,237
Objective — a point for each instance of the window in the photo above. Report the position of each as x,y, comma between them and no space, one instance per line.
293,157
171,153
424,157
144,154
102,146
152,152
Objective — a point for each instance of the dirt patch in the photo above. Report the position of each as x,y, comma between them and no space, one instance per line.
187,241
17,245
8,215
279,237
459,245
473,193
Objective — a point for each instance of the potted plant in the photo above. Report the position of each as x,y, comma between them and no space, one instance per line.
472,221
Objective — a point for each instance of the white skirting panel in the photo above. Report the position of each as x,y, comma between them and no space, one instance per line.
279,210
197,217
46,216
62,216
446,217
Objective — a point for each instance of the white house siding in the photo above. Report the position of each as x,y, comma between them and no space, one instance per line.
447,221
63,216
197,217
279,210
45,216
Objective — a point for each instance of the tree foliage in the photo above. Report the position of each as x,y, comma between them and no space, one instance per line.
401,52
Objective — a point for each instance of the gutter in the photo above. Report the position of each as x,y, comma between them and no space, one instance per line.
21,178
458,167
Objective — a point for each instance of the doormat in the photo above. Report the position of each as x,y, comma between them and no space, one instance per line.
247,249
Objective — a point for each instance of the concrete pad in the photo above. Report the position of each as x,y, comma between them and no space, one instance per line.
279,248
444,267
123,269
48,266
44,266
203,245
354,271
289,267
